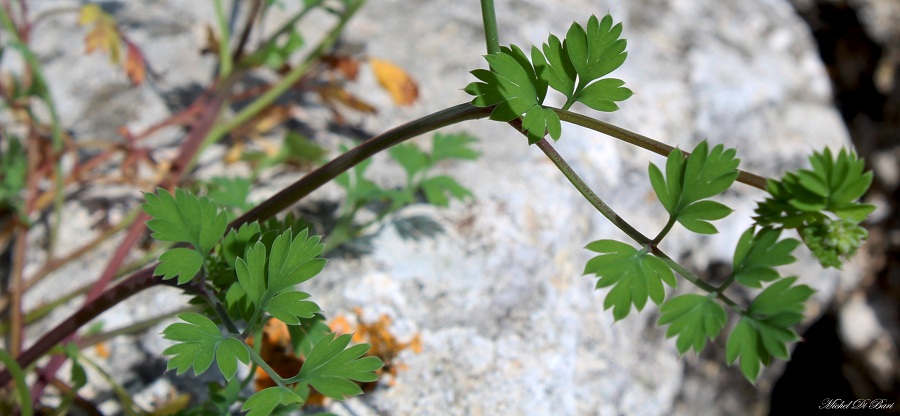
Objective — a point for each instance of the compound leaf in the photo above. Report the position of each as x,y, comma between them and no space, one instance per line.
236,241
331,367
756,256
453,146
184,218
635,275
410,158
182,262
694,319
689,180
767,327
263,402
709,172
507,85
197,340
439,189
293,260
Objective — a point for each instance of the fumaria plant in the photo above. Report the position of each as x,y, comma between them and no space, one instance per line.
247,271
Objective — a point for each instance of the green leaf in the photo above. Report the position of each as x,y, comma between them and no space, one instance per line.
507,85
251,273
598,50
228,353
554,66
305,335
416,227
331,367
603,94
703,174
410,158
709,173
453,146
289,306
694,319
230,192
182,262
237,240
13,170
834,184
635,275
439,189
184,218
263,402
268,283
539,121
292,261
756,256
197,339
767,327
696,216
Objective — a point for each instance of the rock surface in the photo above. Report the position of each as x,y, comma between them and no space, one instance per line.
508,323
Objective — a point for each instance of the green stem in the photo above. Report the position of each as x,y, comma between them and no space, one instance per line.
256,58
489,17
220,311
265,100
664,231
251,323
56,130
645,142
726,283
620,223
589,194
225,57
685,273
144,278
255,357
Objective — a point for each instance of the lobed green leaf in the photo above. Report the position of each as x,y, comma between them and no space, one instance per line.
331,367
264,402
453,146
694,319
440,189
184,218
766,329
756,256
635,276
182,262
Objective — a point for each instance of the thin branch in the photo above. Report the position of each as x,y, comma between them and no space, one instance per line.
645,142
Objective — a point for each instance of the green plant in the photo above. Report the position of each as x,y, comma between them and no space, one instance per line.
245,270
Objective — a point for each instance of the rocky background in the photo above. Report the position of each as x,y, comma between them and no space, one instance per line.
507,322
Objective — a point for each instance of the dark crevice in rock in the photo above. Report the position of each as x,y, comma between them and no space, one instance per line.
821,367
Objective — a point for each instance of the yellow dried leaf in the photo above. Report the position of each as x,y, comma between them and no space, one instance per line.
338,94
104,35
90,13
402,87
173,406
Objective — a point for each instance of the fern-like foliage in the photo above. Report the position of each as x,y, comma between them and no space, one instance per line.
253,273
822,203
574,66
